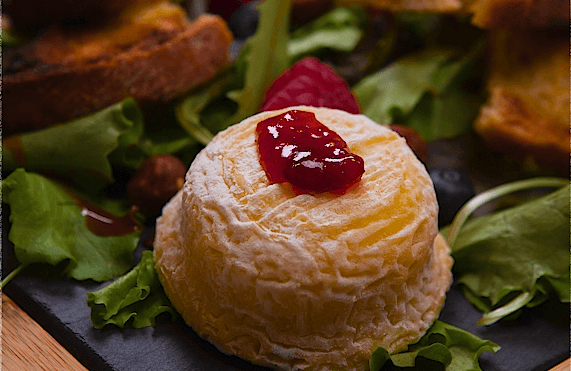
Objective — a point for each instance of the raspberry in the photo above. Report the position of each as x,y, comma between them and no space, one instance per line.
310,82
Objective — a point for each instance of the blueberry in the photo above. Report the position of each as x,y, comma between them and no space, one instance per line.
453,189
244,21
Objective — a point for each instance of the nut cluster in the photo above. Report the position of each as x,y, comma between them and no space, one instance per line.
156,181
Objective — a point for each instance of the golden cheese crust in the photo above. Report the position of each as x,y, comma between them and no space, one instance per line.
304,282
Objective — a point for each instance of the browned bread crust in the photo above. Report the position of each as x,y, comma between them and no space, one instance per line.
487,14
66,44
166,62
520,14
527,113
303,11
30,15
428,6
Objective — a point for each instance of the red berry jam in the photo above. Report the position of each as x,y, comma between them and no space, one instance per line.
296,148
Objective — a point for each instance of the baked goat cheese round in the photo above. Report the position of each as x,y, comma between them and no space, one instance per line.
305,281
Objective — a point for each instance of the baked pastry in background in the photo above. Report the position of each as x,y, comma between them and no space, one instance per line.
527,112
300,281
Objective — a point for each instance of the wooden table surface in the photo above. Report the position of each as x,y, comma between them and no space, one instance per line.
26,346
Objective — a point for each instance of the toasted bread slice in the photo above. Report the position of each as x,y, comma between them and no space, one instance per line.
428,6
80,43
527,113
520,14
152,53
487,14
31,15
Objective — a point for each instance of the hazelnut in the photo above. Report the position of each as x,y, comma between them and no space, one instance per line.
413,139
157,180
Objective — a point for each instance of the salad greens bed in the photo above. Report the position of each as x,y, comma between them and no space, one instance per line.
504,262
515,257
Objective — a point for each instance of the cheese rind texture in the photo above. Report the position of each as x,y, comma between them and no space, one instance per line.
305,282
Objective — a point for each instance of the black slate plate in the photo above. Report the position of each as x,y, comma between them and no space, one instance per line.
536,341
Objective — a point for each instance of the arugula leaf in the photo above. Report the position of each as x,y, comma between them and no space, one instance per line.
238,93
48,227
426,91
398,86
169,140
189,111
443,347
451,108
137,295
8,40
266,57
515,257
164,135
127,152
81,150
340,30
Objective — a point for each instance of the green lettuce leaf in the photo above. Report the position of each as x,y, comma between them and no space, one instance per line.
398,86
340,30
450,109
266,57
137,295
9,40
48,227
515,257
191,114
81,151
426,91
128,153
239,92
164,135
443,347
170,140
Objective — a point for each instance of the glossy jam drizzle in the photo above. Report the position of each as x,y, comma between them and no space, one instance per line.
296,148
105,224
